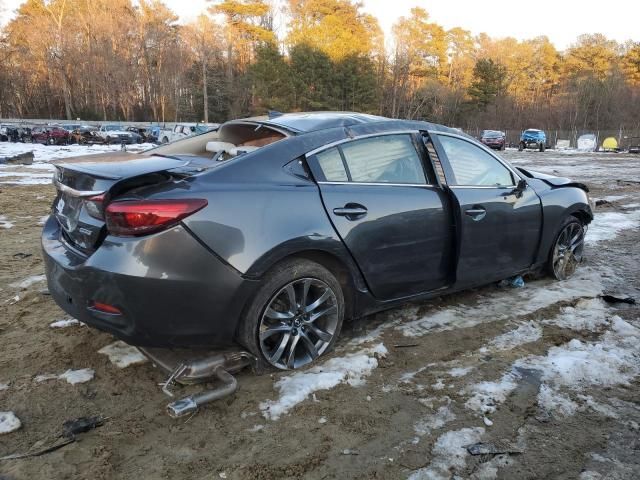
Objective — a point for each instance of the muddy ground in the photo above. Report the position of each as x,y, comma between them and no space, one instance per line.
408,415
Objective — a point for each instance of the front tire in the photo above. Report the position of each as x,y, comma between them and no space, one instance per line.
566,253
521,146
295,317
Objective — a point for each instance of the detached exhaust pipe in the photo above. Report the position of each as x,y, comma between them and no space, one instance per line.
214,366
190,404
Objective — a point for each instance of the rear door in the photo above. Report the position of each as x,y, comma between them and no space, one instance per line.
500,226
390,212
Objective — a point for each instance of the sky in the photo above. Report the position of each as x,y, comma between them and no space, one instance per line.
560,20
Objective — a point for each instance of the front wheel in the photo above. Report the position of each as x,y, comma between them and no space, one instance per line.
51,141
567,250
521,146
542,147
295,317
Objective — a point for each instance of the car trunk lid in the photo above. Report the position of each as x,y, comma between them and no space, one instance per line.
86,184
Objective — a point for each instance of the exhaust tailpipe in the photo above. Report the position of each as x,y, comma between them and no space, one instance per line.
186,370
190,404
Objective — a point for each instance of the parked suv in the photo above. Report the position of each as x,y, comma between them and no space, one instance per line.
533,138
494,139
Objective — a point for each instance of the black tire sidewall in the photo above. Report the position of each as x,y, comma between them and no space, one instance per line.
280,275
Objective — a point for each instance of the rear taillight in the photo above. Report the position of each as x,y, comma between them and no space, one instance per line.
95,206
142,217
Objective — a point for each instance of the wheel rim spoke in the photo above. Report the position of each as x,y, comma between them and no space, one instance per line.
277,355
271,313
291,356
291,296
323,298
321,334
274,331
310,346
322,313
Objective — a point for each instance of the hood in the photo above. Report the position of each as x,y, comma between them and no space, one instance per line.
553,181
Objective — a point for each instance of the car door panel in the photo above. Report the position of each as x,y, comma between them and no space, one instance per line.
384,205
499,226
403,244
502,241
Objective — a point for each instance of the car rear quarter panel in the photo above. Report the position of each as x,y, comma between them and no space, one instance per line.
558,203
259,212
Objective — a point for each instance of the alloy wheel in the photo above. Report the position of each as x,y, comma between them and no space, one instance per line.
299,323
567,252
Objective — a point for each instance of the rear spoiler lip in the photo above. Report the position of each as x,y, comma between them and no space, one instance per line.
76,193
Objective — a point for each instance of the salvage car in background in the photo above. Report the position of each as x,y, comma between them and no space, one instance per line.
533,138
184,130
113,133
50,135
287,226
494,139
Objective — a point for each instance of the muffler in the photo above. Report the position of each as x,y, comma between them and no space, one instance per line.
186,369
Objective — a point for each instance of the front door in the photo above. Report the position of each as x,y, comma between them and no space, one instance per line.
500,225
390,213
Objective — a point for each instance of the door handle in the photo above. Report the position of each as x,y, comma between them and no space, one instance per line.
476,213
352,211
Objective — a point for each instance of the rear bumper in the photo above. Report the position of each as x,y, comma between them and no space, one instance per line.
170,289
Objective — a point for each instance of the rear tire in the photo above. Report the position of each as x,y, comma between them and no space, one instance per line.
567,250
295,317
541,148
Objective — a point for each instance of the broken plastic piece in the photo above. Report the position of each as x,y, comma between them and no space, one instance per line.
71,428
514,282
612,299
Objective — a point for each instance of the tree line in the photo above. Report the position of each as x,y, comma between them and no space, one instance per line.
115,59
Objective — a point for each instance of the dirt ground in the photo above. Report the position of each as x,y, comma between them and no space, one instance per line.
401,419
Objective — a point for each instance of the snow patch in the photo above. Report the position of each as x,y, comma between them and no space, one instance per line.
298,386
608,225
449,454
553,401
611,361
486,396
525,333
9,422
588,314
432,422
460,371
3,386
27,282
123,355
4,223
499,304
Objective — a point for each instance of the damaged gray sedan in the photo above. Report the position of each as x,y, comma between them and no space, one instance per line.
260,239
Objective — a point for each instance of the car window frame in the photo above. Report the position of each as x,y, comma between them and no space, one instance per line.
448,171
318,174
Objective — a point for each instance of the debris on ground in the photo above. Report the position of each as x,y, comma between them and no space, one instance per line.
514,282
64,323
70,429
498,448
19,159
22,255
613,299
9,422
71,376
123,355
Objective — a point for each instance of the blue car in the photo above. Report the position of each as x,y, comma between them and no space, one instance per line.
532,138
